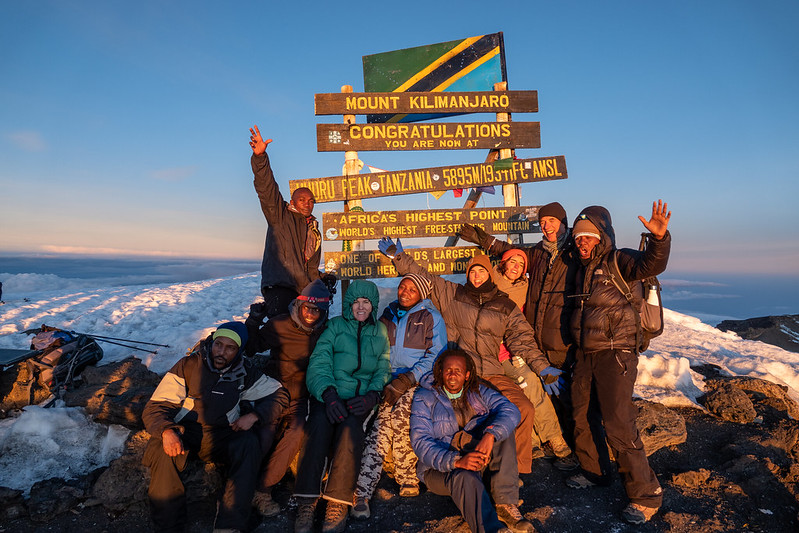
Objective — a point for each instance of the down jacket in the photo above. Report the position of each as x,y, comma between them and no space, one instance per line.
194,391
284,261
416,338
603,319
479,326
351,356
433,423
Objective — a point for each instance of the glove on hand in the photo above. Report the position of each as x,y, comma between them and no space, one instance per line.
329,279
550,377
360,405
334,408
388,248
257,313
473,234
397,387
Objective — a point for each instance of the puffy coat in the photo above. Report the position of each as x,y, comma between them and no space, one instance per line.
603,319
284,261
351,356
480,325
194,391
433,423
416,338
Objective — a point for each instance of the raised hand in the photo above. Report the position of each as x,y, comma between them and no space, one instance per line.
659,223
257,143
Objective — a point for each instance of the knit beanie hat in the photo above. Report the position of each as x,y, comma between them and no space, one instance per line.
515,252
553,209
422,284
585,228
483,261
316,293
236,331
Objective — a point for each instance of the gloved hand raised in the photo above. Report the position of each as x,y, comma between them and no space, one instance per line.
388,248
473,234
550,377
360,405
334,408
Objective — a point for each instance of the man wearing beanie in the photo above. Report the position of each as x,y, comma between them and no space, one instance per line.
551,268
605,327
290,338
207,404
416,334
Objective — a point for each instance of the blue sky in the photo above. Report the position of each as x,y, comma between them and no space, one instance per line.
124,126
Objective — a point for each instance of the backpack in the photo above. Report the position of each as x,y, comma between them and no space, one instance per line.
63,356
649,316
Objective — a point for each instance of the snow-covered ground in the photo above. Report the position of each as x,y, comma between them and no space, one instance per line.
182,313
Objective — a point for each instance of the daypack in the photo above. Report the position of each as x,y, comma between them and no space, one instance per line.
649,316
64,356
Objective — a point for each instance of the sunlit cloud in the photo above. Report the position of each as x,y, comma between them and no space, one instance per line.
91,250
173,174
30,141
690,283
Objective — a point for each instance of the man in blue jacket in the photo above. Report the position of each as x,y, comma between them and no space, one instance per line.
460,427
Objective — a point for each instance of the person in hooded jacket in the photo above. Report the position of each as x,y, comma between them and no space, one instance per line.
207,404
605,327
290,338
347,372
417,335
479,318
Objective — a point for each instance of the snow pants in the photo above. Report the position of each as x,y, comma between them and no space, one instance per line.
545,420
609,376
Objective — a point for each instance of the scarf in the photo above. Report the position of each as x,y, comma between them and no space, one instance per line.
313,238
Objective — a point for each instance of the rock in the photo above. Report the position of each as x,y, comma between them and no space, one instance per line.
768,394
659,426
11,503
125,480
691,480
52,497
729,403
782,331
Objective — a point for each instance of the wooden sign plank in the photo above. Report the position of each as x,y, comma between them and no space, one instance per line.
428,223
427,136
374,185
373,264
426,102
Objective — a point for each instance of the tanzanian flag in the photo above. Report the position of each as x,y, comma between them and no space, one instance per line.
473,64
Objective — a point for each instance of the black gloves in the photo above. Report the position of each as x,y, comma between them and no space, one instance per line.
397,387
474,234
360,405
329,280
334,407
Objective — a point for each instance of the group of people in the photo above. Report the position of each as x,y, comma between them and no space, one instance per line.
460,387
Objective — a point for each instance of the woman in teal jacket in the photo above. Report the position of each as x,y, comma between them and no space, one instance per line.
347,372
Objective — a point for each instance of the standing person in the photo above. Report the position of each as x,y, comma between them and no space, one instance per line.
348,369
292,250
479,317
291,338
207,404
459,429
417,334
605,327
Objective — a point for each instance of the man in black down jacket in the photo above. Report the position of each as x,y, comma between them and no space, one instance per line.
292,250
605,329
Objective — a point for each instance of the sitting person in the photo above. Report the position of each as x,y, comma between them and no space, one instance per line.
460,428
417,334
291,338
347,372
207,404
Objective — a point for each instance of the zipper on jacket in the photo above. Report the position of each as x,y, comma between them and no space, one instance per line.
358,366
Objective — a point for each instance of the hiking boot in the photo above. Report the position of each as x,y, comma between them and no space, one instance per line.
567,463
559,447
335,517
265,505
579,481
409,491
538,453
513,518
360,510
305,516
635,513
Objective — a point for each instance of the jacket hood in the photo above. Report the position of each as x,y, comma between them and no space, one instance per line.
360,288
600,217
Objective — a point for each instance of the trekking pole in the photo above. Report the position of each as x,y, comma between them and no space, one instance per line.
154,352
101,337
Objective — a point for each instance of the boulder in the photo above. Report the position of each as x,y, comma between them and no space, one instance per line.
729,403
659,426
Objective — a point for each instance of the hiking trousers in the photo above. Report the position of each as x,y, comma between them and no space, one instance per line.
524,431
287,441
612,375
239,450
389,441
545,421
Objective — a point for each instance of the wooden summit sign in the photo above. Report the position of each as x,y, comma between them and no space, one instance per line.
427,136
374,185
428,223
373,264
449,102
